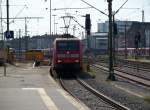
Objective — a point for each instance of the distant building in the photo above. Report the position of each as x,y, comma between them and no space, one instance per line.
129,29
35,42
98,43
144,29
103,27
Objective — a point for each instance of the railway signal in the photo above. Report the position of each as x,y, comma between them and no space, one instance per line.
9,34
115,29
88,24
137,40
88,28
136,43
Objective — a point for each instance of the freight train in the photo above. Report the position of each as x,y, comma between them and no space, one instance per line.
67,54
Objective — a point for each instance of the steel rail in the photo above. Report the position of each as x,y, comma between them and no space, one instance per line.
102,96
117,69
127,75
132,63
136,67
106,99
129,65
63,86
131,73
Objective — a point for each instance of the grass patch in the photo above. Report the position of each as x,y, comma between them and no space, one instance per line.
92,73
147,99
88,70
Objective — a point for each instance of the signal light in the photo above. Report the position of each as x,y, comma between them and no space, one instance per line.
137,39
115,30
77,61
59,61
88,24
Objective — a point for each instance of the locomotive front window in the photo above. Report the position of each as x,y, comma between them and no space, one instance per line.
67,45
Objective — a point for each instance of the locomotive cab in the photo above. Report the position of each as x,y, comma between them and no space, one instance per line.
67,54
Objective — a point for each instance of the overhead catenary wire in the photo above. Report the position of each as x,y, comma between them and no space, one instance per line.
71,8
20,12
121,7
78,23
94,7
13,5
132,13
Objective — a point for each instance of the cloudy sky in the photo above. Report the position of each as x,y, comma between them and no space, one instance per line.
132,10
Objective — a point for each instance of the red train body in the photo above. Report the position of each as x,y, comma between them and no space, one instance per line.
67,54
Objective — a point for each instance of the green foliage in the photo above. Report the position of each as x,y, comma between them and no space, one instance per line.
92,73
87,70
147,99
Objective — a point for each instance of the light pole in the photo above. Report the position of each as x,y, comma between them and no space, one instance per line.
7,5
125,36
114,35
56,27
7,10
111,69
54,23
50,8
1,25
50,15
19,44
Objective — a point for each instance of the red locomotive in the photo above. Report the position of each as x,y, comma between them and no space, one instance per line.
67,54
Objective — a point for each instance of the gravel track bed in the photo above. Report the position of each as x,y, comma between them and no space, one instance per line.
109,89
93,102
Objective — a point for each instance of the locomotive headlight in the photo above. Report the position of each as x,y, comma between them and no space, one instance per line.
59,61
77,61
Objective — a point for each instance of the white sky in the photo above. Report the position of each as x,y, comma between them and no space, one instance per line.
40,8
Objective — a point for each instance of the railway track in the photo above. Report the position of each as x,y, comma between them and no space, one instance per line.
124,74
135,71
130,64
134,65
80,88
143,65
